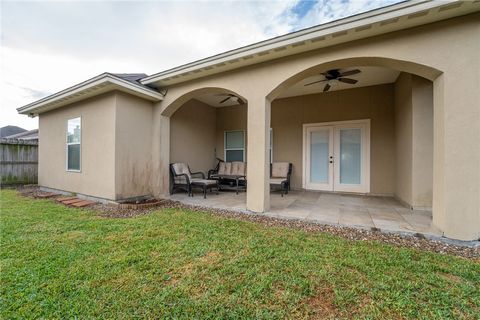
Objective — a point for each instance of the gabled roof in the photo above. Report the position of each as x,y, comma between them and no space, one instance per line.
27,135
9,130
391,18
102,83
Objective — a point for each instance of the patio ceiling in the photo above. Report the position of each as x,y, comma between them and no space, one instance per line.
369,76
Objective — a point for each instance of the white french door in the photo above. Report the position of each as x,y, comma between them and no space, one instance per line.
337,156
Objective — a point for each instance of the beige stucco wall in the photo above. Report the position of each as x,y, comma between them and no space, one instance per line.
229,119
414,141
422,143
403,138
289,114
133,143
192,134
97,176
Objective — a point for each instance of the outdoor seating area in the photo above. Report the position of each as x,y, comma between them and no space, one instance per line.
227,176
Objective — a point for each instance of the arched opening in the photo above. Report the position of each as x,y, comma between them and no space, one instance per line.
359,126
207,126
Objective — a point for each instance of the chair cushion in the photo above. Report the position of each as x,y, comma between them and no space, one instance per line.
238,168
203,182
280,169
277,181
181,168
224,168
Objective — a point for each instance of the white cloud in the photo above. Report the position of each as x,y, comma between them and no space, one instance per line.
328,10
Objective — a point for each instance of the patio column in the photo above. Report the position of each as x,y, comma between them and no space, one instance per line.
456,175
258,166
160,153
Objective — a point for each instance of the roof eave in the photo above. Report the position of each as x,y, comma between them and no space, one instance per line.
102,83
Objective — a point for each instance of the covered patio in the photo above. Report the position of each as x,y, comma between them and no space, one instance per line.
384,213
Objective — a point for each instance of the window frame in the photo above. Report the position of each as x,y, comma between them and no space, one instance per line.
271,145
67,144
225,149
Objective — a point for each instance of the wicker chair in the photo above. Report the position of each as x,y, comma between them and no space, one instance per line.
183,178
280,173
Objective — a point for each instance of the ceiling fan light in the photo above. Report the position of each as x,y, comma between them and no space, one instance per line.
333,82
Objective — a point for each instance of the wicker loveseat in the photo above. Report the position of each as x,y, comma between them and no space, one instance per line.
230,175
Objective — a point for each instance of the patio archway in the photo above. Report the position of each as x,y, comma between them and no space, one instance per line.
421,70
383,132
172,104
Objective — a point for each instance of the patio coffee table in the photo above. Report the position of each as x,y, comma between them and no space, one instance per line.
231,178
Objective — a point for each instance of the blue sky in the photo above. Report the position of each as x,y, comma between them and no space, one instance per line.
48,46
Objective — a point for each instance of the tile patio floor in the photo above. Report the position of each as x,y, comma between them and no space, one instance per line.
384,213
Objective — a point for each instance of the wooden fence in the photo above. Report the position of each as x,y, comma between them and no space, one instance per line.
18,162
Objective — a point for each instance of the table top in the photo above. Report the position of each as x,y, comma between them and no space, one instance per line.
230,176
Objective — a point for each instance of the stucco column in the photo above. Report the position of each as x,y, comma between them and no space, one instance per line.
160,153
258,166
456,178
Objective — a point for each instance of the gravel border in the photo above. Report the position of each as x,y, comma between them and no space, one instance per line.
399,240
415,241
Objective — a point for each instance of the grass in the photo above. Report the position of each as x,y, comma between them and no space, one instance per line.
59,262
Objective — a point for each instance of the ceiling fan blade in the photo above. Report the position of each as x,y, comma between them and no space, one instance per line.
350,73
327,87
315,82
348,80
224,100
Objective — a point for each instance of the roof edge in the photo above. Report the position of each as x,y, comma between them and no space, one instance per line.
103,78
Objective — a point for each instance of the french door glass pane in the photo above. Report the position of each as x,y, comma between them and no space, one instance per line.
319,153
350,156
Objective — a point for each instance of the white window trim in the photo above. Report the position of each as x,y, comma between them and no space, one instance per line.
73,143
271,145
232,149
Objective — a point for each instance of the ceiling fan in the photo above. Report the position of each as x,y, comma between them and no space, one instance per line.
228,97
334,75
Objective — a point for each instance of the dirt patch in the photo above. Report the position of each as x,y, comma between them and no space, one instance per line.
33,191
322,304
450,277
119,211
143,204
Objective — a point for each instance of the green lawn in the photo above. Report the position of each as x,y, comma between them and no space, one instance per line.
59,262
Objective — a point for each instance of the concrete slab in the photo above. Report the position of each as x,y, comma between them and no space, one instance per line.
385,213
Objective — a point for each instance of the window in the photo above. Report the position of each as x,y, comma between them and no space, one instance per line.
234,146
74,134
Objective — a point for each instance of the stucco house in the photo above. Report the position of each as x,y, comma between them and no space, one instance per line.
406,123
